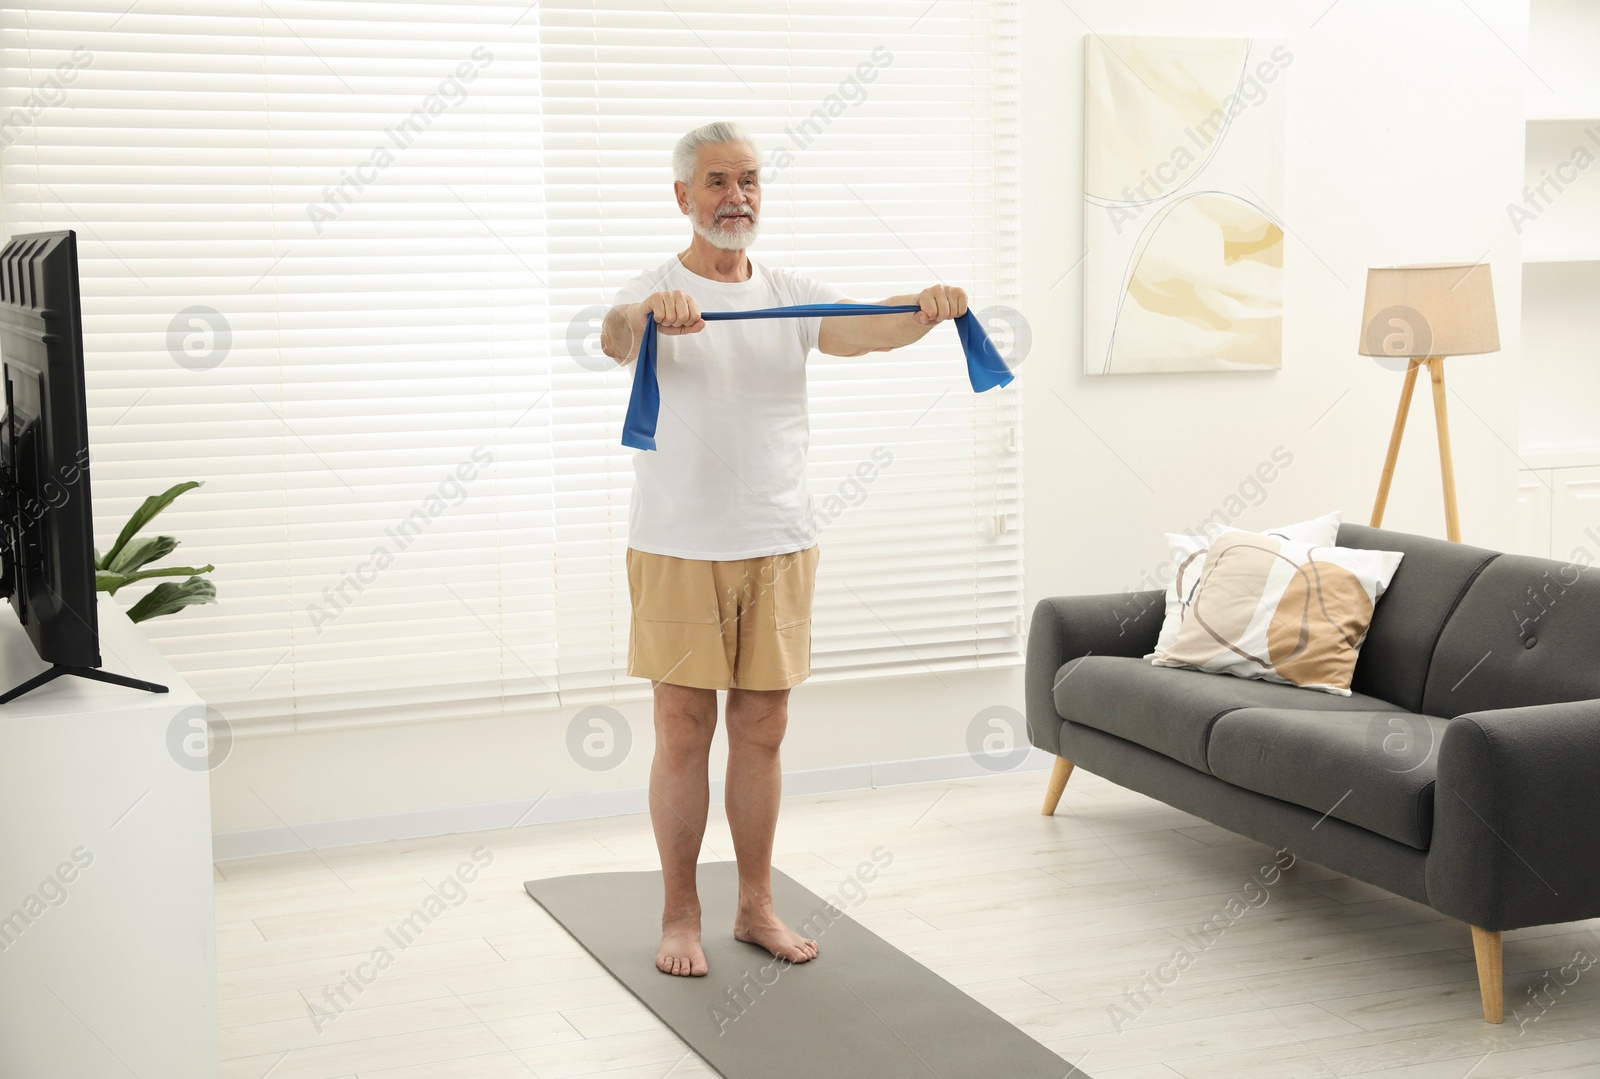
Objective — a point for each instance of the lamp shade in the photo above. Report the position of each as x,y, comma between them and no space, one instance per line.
1443,309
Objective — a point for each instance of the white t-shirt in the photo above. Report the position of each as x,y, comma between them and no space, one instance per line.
727,479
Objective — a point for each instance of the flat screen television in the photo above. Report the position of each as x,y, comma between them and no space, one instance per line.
46,515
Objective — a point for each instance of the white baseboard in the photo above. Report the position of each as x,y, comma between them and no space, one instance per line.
450,820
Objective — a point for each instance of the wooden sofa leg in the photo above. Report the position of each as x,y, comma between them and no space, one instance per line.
1058,783
1486,946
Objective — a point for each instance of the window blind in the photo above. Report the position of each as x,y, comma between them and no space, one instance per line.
343,263
887,134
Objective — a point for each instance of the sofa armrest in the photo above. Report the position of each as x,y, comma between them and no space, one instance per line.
1066,627
1517,817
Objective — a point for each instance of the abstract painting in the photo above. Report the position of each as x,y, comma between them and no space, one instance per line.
1182,188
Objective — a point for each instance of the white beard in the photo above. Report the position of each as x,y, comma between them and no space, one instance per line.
728,241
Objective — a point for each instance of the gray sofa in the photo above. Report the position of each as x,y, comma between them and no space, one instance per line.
1463,772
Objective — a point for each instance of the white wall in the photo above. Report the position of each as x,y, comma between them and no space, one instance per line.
1405,126
1406,140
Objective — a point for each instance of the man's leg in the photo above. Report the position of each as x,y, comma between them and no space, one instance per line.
756,721
686,719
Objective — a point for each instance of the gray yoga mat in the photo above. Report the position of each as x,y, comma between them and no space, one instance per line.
862,1008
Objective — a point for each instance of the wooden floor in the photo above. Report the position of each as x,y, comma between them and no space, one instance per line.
1050,921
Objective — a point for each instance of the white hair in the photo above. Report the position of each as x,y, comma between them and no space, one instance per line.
686,154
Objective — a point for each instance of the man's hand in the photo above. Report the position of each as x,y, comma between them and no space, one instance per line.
675,312
940,303
623,326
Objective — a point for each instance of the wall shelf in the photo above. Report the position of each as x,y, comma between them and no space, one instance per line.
1541,458
1541,255
1558,423
1550,110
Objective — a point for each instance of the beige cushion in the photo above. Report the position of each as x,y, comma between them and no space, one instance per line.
1189,559
1282,611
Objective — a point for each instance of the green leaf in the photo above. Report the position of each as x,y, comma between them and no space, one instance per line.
169,571
143,515
169,598
106,581
141,552
165,571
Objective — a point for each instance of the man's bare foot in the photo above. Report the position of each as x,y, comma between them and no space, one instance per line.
680,952
760,924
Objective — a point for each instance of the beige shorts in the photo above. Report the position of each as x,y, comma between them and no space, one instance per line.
739,624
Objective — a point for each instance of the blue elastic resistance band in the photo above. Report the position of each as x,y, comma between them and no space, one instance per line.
985,367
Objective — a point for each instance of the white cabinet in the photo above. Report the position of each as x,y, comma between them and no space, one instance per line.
108,960
1534,500
1575,514
1558,513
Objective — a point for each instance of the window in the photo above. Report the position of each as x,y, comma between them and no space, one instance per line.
341,262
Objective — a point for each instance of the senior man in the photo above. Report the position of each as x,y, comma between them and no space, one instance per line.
722,545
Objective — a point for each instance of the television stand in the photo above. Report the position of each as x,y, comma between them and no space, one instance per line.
113,788
81,672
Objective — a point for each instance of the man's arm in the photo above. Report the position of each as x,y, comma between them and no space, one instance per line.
619,337
857,335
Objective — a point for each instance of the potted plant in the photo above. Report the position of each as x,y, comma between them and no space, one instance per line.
128,558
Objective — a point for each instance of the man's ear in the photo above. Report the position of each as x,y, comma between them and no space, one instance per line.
681,191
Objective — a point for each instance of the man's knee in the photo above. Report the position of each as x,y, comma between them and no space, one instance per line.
757,717
686,717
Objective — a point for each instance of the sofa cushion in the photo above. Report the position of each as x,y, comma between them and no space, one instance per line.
1189,561
1171,710
1281,611
1431,580
1374,770
1525,633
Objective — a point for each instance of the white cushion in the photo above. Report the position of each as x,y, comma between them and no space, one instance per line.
1281,611
1189,559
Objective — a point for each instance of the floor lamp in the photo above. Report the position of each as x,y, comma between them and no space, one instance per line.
1421,314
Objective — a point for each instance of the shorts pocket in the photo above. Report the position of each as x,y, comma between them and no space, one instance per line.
667,589
792,590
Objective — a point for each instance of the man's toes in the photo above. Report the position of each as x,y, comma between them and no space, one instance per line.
690,967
